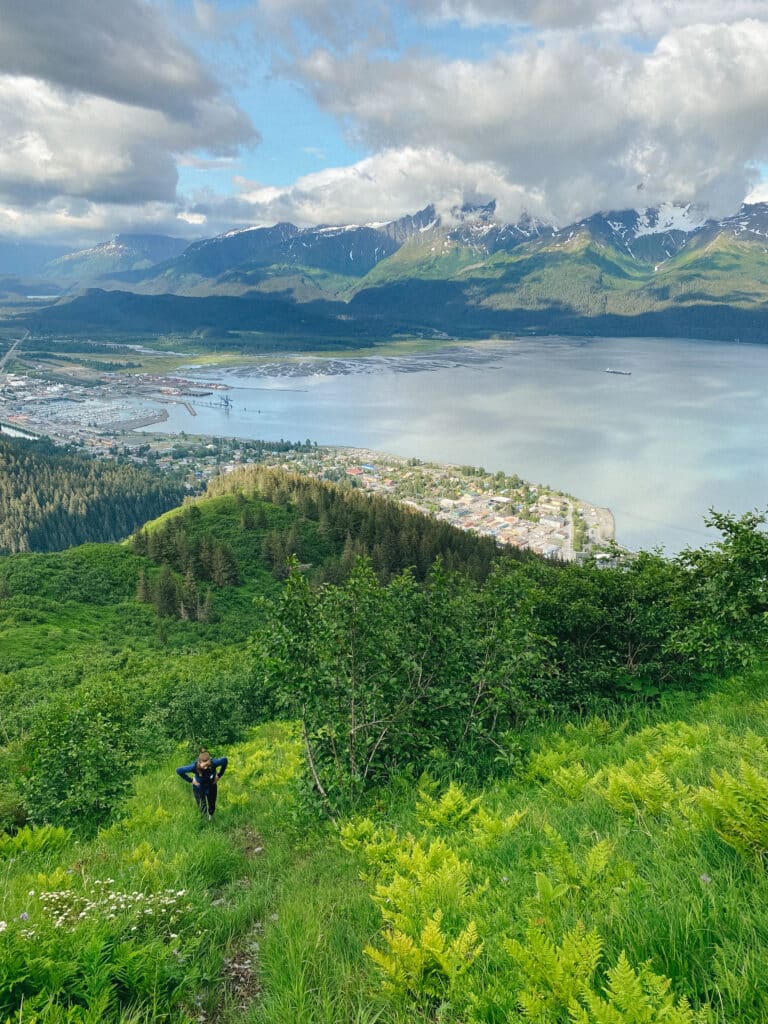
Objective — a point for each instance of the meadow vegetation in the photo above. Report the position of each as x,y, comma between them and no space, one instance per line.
462,788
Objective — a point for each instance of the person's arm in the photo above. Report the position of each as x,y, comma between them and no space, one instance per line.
185,771
220,763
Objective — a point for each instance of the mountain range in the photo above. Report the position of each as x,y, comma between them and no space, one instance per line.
669,270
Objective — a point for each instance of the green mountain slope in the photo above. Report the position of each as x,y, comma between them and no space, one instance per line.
606,860
587,277
549,783
121,253
468,276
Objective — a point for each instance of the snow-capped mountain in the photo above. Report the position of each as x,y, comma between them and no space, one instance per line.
339,261
462,272
121,253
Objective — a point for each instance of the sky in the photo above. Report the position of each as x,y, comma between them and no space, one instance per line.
192,117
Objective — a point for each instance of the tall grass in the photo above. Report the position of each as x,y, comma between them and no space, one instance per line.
435,905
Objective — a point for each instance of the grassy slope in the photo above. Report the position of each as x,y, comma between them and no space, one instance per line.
273,920
155,902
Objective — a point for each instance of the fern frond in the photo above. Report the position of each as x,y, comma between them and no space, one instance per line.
451,810
737,807
632,997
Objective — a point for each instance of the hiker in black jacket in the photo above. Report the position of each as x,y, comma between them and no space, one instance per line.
204,775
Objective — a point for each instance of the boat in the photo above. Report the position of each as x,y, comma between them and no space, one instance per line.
622,373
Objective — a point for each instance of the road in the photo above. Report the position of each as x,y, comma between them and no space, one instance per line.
11,350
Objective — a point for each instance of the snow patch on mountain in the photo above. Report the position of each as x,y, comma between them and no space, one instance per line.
670,217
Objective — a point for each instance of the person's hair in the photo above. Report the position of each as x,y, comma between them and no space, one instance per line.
203,756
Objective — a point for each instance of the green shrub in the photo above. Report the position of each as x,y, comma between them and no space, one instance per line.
82,758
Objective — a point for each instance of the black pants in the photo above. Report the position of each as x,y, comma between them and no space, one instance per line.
206,798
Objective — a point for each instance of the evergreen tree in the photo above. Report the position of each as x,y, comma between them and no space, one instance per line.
165,596
190,598
224,571
143,590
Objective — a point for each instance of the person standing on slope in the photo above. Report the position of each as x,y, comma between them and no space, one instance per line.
204,774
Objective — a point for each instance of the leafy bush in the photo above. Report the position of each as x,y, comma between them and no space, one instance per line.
82,759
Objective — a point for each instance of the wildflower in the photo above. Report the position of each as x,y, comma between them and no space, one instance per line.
24,916
705,878
3,925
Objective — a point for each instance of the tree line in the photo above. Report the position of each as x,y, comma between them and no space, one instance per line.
353,523
261,516
52,498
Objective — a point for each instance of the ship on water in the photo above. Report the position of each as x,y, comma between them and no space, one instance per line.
622,373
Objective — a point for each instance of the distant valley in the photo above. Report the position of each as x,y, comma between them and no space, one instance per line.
667,271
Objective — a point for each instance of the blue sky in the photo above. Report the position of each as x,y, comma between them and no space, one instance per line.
190,117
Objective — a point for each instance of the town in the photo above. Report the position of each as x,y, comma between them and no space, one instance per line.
514,512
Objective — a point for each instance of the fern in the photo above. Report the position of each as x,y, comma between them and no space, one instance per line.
632,789
427,878
591,877
34,840
553,975
379,846
450,811
489,829
737,807
544,763
753,747
571,780
633,998
427,967
402,965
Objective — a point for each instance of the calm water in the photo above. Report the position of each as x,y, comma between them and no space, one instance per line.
685,431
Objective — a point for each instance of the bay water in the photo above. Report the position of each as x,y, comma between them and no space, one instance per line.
681,428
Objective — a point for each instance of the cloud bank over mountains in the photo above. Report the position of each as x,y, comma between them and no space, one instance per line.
552,108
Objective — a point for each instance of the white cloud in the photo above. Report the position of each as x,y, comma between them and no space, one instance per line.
98,99
345,24
383,187
123,50
646,18
197,219
584,125
354,25
81,222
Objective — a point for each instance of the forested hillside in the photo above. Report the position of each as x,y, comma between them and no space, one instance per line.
51,499
502,790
